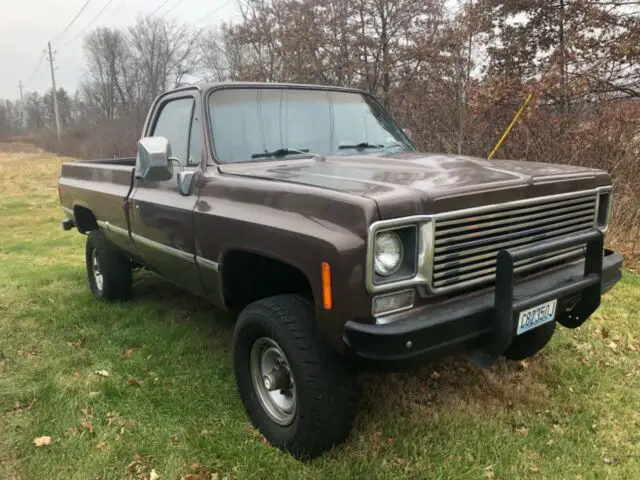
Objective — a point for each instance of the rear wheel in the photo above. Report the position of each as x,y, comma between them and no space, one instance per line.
108,271
296,392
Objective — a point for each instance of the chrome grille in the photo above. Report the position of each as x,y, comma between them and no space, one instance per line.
467,243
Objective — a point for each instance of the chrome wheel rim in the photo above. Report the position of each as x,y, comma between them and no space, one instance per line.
97,273
273,381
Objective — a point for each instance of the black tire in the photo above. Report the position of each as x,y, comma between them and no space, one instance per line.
530,343
324,388
113,268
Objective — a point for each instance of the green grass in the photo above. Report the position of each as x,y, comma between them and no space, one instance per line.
169,403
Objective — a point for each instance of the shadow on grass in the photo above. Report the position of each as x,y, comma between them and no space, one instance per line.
451,384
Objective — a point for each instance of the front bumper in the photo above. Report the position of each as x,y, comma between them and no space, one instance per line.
485,323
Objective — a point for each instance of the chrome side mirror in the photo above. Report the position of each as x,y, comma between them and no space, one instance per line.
154,161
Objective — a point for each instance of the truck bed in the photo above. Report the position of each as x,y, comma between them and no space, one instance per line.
100,186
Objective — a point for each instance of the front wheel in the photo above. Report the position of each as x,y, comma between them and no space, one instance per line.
294,389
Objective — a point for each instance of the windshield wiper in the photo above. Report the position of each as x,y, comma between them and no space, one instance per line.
361,146
280,152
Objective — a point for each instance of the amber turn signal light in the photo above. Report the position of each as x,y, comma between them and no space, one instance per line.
326,285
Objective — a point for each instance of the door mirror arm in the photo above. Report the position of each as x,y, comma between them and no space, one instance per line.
177,161
184,179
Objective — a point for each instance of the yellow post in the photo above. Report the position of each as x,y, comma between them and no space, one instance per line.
510,127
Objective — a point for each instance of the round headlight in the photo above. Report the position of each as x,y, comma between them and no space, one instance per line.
388,253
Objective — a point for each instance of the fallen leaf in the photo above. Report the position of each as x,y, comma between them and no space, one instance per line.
79,343
87,424
612,345
604,332
42,441
135,382
488,472
128,352
524,431
102,446
435,375
198,473
102,373
523,364
153,475
610,461
76,374
401,461
139,465
30,353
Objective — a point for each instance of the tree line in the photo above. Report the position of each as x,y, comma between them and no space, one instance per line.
453,73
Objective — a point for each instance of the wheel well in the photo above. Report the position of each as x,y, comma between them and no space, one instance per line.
85,219
247,277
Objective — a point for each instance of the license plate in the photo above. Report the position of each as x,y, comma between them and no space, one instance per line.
536,316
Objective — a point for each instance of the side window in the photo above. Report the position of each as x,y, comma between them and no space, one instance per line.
174,123
195,148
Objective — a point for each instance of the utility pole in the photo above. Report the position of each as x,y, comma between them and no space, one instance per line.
563,61
55,96
22,115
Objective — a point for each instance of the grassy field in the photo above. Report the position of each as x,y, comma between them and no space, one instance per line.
145,389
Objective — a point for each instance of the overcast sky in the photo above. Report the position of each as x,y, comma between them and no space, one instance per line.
27,25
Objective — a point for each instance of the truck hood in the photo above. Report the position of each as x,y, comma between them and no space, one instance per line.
412,183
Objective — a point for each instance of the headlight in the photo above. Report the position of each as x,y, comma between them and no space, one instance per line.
388,253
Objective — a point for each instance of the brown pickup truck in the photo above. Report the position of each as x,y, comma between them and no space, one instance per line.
309,210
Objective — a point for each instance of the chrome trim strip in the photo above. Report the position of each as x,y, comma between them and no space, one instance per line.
426,238
112,228
119,230
190,257
206,263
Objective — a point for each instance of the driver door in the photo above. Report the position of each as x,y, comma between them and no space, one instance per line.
162,219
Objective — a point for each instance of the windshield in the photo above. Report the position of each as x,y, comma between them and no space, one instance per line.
265,123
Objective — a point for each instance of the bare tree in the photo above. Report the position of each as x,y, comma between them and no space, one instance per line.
163,52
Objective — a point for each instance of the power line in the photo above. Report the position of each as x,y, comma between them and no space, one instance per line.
117,8
218,8
35,70
168,11
90,23
158,8
72,21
